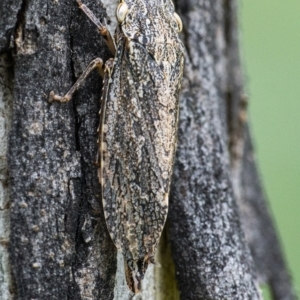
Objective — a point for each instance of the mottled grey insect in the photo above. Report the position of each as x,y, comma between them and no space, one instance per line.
138,126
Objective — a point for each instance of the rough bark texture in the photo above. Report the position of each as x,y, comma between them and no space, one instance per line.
256,220
6,98
59,244
212,258
52,222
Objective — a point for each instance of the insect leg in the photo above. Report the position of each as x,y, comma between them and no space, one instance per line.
102,29
107,75
97,63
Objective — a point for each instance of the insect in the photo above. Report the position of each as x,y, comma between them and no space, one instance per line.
138,126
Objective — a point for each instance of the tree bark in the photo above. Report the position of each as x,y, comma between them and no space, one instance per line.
53,239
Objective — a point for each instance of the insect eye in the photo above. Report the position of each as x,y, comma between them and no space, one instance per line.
122,11
179,22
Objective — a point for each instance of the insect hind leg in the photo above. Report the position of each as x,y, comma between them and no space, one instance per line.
97,63
107,75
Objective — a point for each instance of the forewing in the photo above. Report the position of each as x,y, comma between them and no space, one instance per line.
138,147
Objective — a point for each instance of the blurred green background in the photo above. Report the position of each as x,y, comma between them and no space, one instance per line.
270,46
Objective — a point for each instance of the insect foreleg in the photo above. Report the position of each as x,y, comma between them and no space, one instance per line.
94,64
102,29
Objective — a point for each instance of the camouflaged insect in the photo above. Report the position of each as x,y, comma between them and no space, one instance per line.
138,127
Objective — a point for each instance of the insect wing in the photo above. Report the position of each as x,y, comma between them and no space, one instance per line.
138,147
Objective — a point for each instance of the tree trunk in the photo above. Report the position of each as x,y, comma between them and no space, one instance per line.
53,239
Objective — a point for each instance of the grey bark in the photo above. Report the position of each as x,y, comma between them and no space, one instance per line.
253,206
212,258
58,246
